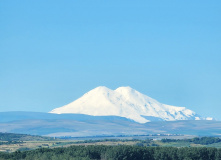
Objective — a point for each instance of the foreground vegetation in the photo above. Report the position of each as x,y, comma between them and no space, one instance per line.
27,147
121,152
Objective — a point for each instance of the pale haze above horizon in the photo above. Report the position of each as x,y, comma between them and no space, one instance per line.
53,52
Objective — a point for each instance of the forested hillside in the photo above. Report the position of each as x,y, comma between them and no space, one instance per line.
116,153
21,137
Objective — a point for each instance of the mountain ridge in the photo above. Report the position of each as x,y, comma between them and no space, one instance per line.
125,102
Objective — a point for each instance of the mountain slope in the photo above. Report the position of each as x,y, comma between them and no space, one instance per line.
125,102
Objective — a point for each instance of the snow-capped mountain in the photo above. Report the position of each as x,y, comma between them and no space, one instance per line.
125,102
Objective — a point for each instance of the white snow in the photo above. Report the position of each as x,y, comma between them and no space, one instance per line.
124,102
197,118
209,118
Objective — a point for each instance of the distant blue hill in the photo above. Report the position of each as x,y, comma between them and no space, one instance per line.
22,115
79,125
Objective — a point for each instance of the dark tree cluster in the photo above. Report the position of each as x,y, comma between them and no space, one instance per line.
202,140
206,140
121,152
21,137
10,136
10,142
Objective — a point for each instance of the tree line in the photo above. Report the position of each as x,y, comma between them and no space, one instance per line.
202,140
21,137
121,152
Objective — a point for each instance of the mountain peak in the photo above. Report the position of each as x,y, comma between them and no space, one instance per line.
125,102
125,89
101,88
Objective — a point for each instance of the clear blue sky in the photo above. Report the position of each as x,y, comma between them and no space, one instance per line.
52,52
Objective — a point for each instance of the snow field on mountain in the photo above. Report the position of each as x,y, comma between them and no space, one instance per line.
125,102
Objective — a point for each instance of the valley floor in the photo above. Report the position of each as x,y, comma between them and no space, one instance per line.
162,141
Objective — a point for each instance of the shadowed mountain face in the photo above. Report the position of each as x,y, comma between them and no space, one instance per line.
125,102
78,125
